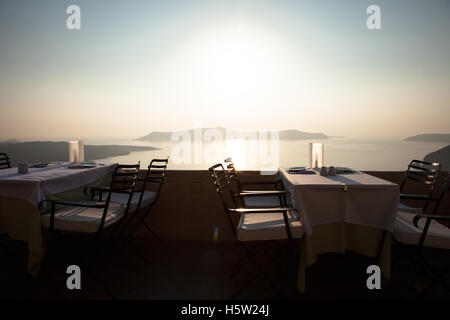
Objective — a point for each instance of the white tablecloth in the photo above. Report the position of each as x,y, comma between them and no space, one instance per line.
356,198
38,182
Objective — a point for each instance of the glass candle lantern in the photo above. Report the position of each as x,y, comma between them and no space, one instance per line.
76,151
316,154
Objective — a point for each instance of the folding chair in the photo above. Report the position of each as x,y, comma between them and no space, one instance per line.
144,199
274,199
423,174
5,163
414,232
255,225
93,217
271,194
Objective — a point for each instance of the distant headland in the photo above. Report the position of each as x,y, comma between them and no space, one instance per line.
430,137
45,151
283,134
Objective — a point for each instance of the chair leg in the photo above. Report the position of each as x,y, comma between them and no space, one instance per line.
268,278
237,292
436,280
243,261
152,233
282,263
137,251
429,270
141,220
122,227
251,256
128,243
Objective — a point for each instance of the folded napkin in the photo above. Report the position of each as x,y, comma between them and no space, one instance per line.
300,170
342,170
84,165
44,165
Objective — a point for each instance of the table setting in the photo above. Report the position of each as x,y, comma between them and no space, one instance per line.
340,209
33,183
324,171
23,187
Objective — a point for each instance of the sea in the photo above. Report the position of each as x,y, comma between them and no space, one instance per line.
360,154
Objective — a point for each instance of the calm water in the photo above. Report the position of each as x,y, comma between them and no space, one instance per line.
358,154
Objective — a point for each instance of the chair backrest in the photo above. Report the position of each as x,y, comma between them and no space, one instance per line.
4,161
443,191
423,172
220,178
124,177
156,172
124,181
232,174
445,187
222,182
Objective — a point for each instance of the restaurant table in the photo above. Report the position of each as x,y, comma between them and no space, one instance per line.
353,211
20,195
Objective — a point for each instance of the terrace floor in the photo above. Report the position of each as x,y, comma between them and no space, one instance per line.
200,270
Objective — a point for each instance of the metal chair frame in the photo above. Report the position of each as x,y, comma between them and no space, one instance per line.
155,174
122,181
222,181
242,187
437,277
422,172
275,188
5,162
414,252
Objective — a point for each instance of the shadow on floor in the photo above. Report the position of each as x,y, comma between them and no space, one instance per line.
199,270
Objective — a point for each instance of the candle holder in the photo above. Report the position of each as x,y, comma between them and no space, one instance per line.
316,155
76,151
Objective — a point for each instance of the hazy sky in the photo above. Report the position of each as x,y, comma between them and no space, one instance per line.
139,66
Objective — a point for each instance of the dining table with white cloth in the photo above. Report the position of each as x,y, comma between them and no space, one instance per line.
21,193
354,211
